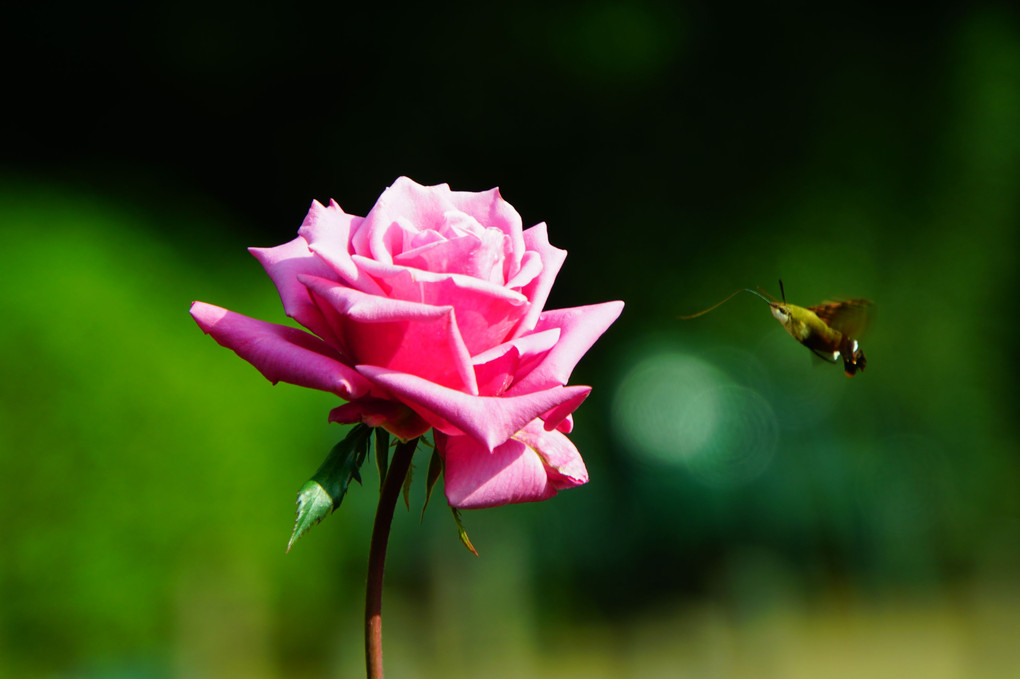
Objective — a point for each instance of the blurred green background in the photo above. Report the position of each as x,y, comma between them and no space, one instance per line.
750,513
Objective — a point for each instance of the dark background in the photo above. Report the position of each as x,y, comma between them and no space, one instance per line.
749,514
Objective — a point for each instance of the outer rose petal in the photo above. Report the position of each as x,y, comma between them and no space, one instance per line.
579,328
562,461
327,232
555,417
490,420
531,349
284,263
475,478
531,466
537,291
281,353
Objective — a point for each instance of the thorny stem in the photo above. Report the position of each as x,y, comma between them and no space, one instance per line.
377,555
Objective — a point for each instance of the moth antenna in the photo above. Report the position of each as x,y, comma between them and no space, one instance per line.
719,304
781,291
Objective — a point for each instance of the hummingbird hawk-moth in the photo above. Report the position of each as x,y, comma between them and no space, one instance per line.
830,329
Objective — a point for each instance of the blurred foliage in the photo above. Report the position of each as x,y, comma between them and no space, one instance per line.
802,524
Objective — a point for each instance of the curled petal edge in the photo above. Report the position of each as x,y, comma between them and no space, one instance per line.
531,466
281,353
489,420
579,328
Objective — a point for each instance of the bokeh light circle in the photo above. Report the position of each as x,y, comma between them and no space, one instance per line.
678,409
744,440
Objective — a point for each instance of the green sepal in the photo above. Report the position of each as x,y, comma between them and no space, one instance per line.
407,486
431,477
382,453
322,494
461,532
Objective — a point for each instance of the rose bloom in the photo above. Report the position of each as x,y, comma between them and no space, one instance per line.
428,314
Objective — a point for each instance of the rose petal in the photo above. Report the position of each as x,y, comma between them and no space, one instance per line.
486,313
281,353
531,266
328,232
579,328
497,367
423,238
531,466
557,414
419,207
531,350
387,241
497,373
476,256
410,337
489,208
536,239
456,224
490,420
284,263
559,455
567,425
475,478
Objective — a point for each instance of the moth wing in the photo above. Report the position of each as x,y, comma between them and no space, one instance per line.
850,317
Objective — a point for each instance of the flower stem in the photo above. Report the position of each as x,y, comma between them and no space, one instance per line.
377,555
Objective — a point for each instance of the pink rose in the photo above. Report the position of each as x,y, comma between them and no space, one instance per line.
427,314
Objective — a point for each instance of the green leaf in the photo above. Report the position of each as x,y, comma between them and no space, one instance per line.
461,532
382,453
322,494
314,504
431,477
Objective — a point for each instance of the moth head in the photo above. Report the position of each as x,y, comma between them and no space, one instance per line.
781,313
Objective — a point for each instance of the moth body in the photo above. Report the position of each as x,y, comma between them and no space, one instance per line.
827,329
805,326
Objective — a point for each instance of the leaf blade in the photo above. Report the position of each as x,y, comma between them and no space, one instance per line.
322,494
314,504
